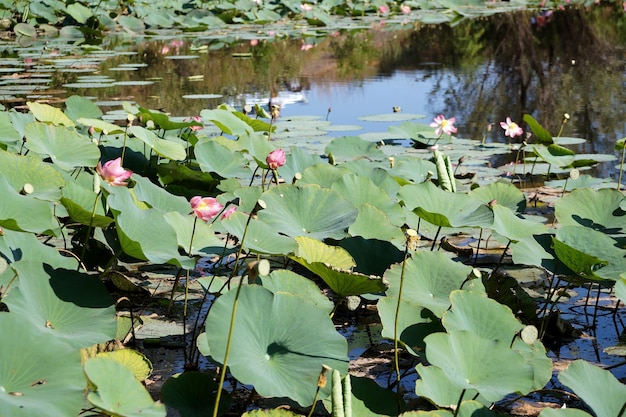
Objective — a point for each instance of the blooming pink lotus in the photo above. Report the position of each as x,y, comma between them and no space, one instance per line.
444,125
405,9
196,119
228,212
384,9
276,159
113,173
205,208
511,128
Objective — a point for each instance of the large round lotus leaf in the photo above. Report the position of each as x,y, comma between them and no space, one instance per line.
215,157
563,412
514,228
193,394
66,147
39,374
472,362
538,250
205,241
73,306
259,236
157,197
137,362
312,250
79,201
379,175
429,278
596,209
289,282
598,388
298,161
117,392
505,194
443,208
49,114
142,233
434,384
171,149
373,223
481,315
324,175
372,256
353,147
308,210
279,343
20,246
414,323
412,168
554,154
589,253
23,212
77,107
362,190
24,169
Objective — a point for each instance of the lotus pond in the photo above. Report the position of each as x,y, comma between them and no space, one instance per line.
345,209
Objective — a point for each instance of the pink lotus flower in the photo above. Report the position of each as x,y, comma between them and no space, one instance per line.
228,212
384,9
205,208
276,159
511,128
113,173
405,9
444,125
197,119
305,7
306,46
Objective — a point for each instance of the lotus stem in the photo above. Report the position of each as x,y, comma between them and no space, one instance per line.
458,404
337,395
396,356
232,321
321,383
621,168
93,215
480,237
621,410
432,248
493,273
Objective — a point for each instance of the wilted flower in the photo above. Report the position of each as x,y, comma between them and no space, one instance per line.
228,212
113,173
511,128
205,208
444,125
276,159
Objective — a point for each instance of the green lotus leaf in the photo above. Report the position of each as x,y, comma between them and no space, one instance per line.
419,132
228,122
542,135
554,154
260,236
77,107
79,12
277,412
289,282
299,159
205,241
583,181
431,413
79,200
372,256
599,209
101,126
620,287
67,148
162,120
324,175
131,24
17,246
183,180
378,175
537,250
137,362
598,388
163,147
73,306
348,148
472,362
414,323
308,210
24,29
258,146
505,194
589,253
142,233
215,157
481,315
24,169
157,197
117,392
514,228
24,212
312,250
412,169
563,412
443,208
40,375
429,279
193,394
48,114
362,190
279,343
373,223
8,133
433,383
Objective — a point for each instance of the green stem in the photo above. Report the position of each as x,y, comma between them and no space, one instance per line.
232,322
93,215
458,405
621,168
193,232
396,356
124,144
